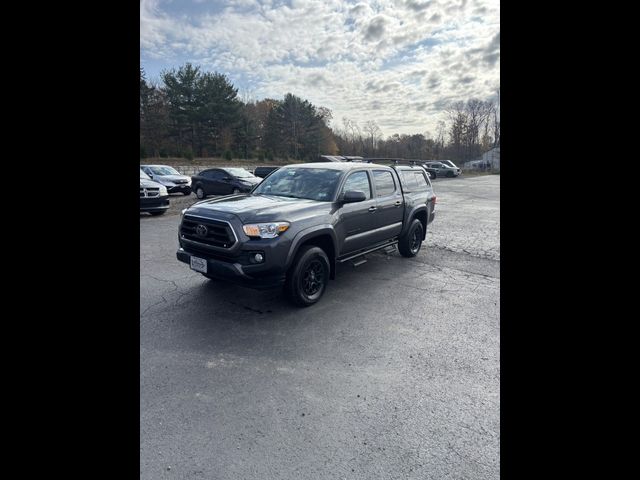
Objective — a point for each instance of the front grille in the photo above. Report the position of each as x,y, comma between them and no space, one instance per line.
218,234
149,192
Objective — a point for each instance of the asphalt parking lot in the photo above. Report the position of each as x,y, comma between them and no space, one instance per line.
394,374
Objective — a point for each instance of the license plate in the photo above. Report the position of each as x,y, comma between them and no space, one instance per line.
199,264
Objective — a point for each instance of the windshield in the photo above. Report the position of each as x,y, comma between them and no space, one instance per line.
144,175
164,171
239,172
309,183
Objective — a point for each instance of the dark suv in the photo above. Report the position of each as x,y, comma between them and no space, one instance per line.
302,220
223,181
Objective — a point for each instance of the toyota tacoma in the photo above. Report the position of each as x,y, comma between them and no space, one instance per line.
293,228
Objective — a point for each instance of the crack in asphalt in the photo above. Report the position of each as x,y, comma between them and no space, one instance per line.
176,289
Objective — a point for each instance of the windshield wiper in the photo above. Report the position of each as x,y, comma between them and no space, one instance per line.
279,195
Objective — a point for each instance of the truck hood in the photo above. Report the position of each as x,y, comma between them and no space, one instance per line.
260,208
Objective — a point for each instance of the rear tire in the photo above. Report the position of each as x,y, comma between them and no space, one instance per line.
409,244
236,191
308,276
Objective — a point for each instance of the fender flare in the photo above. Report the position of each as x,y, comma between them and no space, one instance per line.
412,215
308,234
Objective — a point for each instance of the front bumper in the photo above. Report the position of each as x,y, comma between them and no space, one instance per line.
154,203
260,277
182,188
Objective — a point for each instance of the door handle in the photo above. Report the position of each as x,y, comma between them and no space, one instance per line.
372,209
398,203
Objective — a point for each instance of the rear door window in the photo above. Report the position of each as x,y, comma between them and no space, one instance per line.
421,180
408,180
385,184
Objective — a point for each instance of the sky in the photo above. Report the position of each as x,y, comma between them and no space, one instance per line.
398,62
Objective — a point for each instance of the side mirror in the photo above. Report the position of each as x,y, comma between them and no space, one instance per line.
353,196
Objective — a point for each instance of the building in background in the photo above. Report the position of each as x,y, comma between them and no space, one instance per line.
488,161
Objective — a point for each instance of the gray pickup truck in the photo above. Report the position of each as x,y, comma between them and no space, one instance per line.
293,228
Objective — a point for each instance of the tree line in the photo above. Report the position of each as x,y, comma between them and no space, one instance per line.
194,113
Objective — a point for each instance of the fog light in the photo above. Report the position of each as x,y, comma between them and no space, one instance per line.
258,257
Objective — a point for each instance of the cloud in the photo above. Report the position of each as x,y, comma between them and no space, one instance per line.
368,60
434,81
418,6
375,30
495,43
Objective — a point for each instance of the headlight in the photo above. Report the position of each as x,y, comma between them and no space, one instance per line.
183,210
265,230
163,190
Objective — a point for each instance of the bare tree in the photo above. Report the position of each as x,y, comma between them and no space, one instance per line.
440,139
458,130
374,134
355,142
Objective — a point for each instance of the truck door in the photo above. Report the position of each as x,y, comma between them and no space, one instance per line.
357,220
389,205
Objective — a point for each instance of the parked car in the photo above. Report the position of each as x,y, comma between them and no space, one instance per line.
442,169
433,173
264,171
169,177
154,197
223,181
452,165
302,220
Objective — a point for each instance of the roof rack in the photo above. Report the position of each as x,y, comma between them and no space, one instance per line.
396,161
339,158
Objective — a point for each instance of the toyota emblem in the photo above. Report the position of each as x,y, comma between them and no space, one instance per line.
201,231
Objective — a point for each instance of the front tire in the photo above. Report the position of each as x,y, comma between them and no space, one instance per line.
308,277
200,193
236,191
410,243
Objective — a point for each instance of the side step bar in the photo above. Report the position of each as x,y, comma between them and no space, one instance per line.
359,261
364,252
